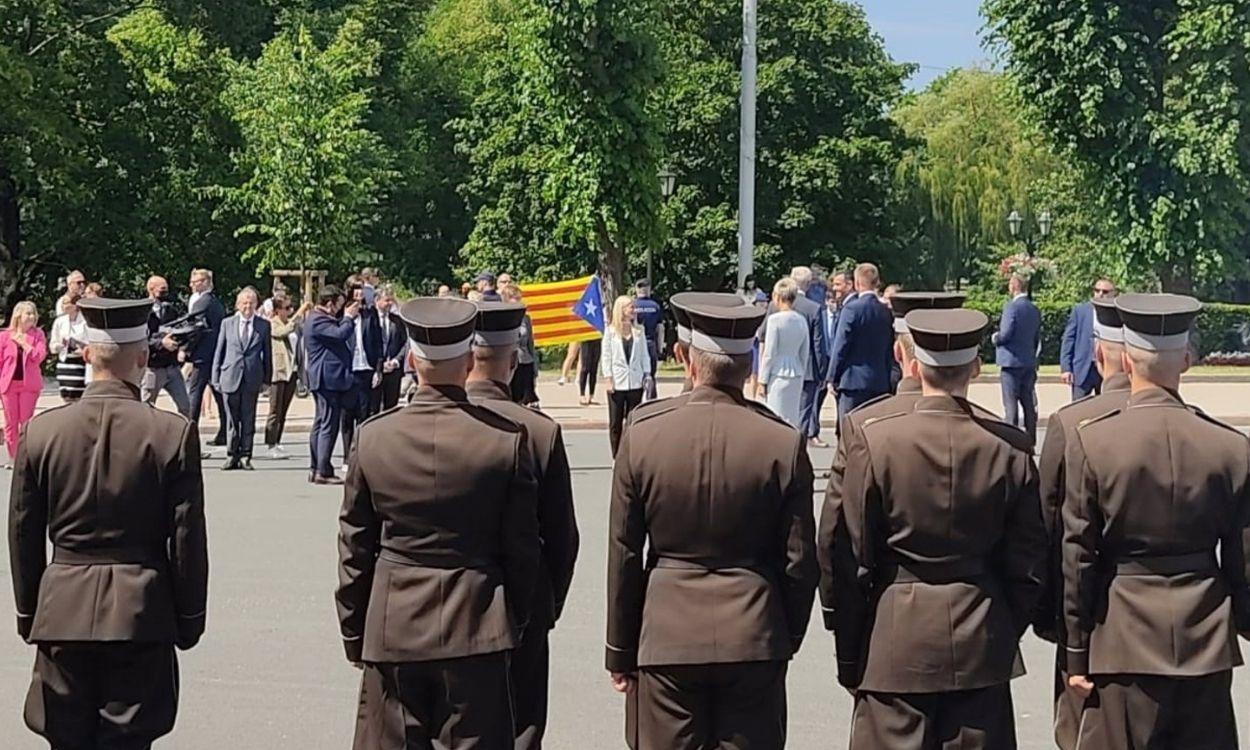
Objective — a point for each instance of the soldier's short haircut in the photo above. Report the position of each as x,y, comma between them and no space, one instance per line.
1157,367
948,378
868,275
711,368
908,344
118,359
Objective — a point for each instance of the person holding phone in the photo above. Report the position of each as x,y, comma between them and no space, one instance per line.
23,348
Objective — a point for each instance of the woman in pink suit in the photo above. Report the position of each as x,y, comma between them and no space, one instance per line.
23,348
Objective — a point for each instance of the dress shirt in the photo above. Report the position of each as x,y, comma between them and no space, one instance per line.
360,362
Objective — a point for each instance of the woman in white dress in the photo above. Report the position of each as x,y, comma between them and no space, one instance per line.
787,346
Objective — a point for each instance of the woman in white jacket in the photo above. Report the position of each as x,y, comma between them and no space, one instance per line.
786,350
625,364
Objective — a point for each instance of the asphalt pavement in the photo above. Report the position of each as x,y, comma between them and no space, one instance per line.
270,672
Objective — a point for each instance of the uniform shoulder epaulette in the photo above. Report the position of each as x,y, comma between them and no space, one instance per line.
496,419
871,401
1014,436
538,412
651,409
381,414
762,409
1208,418
1080,400
53,410
883,418
1095,420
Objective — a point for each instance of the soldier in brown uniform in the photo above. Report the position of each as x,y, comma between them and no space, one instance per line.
1152,616
907,395
700,630
945,560
681,350
438,551
115,485
495,353
1108,351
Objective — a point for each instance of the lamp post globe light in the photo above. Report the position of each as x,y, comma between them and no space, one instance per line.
1032,239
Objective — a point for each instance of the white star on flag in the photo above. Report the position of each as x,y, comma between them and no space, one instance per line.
590,307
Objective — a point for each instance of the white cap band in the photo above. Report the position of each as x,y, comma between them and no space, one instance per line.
117,335
953,358
497,338
900,325
683,334
1112,334
718,345
1156,342
436,353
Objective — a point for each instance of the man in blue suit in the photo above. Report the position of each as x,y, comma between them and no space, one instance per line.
1016,346
328,340
1076,358
242,366
818,358
863,345
366,364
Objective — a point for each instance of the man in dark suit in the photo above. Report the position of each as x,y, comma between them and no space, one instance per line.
163,372
1076,357
818,360
394,350
439,552
328,351
115,485
1016,345
863,347
242,366
201,351
495,357
366,364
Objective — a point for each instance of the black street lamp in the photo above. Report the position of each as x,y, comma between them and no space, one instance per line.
1033,239
668,184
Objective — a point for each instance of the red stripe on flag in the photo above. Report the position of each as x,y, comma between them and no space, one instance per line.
540,306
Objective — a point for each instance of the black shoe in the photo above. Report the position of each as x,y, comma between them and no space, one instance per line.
246,464
230,465
218,441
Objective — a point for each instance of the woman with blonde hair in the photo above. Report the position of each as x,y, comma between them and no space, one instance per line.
23,348
786,350
626,364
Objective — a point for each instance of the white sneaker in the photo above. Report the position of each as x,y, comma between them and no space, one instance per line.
277,454
343,467
562,381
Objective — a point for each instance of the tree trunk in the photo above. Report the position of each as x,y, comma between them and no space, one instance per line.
11,277
611,265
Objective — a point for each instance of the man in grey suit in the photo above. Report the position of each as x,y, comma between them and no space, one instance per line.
242,366
818,359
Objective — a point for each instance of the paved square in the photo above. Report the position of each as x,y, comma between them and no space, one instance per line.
270,672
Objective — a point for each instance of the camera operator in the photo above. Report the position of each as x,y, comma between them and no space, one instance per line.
163,371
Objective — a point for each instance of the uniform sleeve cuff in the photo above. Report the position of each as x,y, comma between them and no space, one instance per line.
621,660
25,624
830,618
355,648
1077,661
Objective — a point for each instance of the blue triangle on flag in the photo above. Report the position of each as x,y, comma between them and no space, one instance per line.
590,307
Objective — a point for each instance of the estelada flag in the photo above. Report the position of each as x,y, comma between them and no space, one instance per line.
565,311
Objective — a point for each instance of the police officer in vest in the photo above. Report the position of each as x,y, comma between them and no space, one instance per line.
115,485
1151,614
749,577
940,559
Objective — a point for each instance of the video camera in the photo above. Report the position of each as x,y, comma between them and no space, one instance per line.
185,330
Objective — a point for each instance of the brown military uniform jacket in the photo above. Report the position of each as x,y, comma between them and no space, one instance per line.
1048,621
116,485
947,550
723,495
1152,489
438,537
557,520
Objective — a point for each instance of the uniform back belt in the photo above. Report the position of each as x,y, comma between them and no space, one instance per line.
1166,565
673,563
107,556
946,571
443,560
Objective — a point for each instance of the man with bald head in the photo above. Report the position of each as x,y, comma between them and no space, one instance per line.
163,372
242,366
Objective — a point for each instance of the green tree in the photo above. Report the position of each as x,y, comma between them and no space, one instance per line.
314,173
1150,98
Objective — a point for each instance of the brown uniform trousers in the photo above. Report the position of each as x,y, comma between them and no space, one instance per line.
557,527
439,555
115,485
720,491
1149,613
1048,622
938,557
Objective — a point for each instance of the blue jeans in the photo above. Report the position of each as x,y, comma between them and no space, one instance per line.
1020,398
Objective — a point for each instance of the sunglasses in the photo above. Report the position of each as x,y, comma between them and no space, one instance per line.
1103,292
